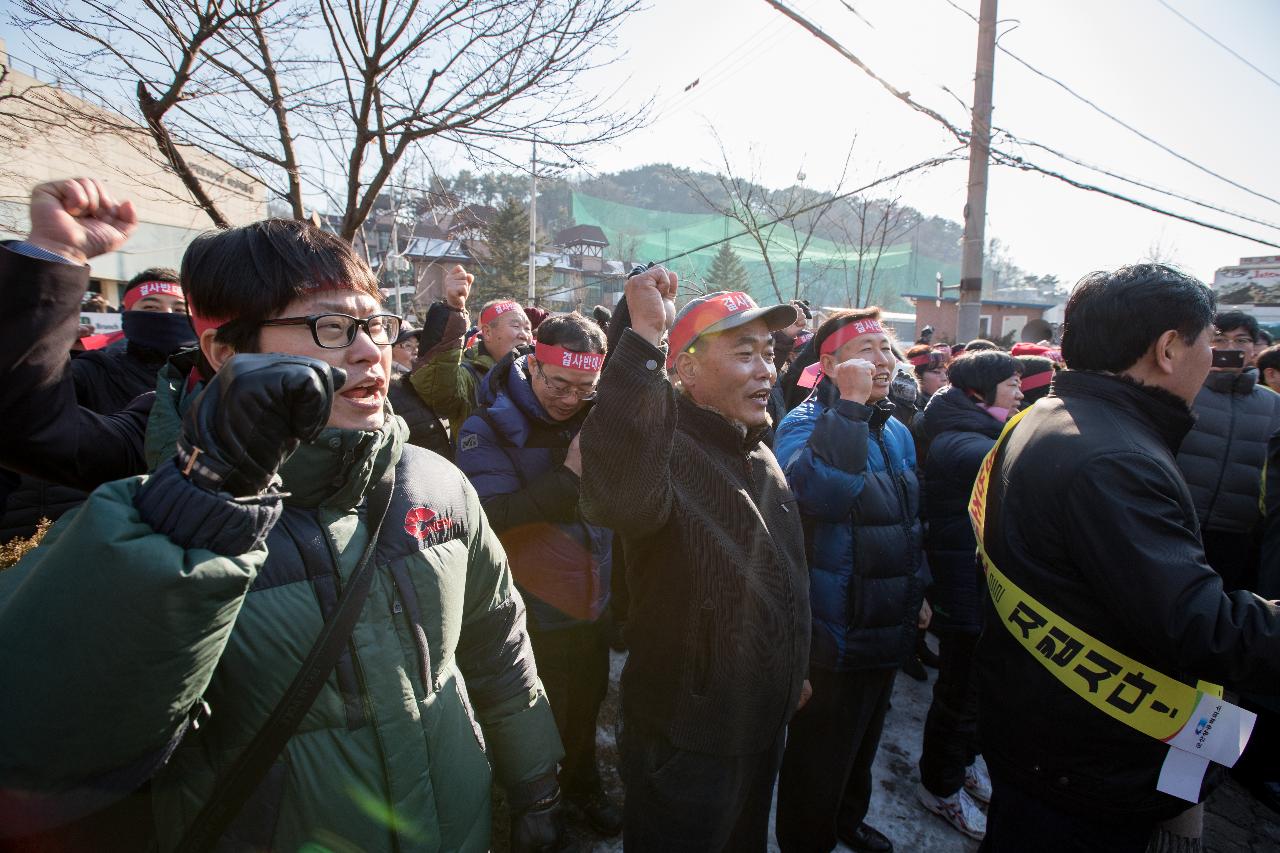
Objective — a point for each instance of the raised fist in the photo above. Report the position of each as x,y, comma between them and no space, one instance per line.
457,287
651,302
78,219
247,421
854,379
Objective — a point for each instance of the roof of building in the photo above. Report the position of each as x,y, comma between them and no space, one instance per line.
436,249
582,235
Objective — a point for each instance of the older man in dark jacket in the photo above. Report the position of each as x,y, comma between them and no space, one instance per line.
719,614
1222,456
1103,611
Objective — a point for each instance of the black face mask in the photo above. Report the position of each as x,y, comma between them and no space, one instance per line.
159,331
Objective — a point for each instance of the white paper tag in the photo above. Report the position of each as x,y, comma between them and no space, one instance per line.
1218,731
1182,774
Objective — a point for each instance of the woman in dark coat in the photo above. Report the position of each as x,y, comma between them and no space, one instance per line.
960,424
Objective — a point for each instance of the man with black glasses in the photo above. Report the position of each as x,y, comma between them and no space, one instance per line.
521,453
297,629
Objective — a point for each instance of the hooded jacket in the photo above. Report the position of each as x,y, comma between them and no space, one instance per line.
1223,454
513,453
959,434
853,470
1093,519
190,598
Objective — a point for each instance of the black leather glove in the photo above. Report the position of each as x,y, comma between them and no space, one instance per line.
251,417
539,827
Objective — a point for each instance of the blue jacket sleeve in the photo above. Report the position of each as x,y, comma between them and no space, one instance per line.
823,452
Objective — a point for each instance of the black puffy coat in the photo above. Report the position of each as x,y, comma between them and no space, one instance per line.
1223,454
959,434
1089,514
109,379
425,429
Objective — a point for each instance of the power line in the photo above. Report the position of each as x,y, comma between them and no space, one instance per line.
1220,44
1002,158
1134,181
1073,93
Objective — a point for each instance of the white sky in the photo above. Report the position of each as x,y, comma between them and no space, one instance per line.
779,96
786,103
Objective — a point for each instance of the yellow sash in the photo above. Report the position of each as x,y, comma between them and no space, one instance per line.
1125,689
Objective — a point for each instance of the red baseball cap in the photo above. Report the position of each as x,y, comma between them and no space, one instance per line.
716,312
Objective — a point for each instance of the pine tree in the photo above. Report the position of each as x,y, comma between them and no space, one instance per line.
505,272
727,272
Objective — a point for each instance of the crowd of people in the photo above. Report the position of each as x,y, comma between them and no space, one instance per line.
321,580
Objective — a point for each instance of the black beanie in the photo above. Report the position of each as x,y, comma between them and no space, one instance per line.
980,372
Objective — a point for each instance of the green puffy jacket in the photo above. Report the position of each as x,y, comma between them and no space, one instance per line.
448,377
113,633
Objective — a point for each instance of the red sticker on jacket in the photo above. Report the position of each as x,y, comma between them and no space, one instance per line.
421,522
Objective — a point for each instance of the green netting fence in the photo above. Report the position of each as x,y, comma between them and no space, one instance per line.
828,270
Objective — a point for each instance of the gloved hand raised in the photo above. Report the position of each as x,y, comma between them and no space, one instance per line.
251,416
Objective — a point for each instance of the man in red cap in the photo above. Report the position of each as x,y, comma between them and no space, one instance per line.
718,624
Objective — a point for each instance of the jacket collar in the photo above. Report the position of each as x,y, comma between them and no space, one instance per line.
1232,383
1168,415
952,410
335,470
516,409
707,426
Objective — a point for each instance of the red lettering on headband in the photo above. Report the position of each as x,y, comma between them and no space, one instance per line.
496,310
1038,380
151,288
848,332
921,360
587,362
702,317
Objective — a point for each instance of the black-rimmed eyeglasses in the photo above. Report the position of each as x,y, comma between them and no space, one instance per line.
336,331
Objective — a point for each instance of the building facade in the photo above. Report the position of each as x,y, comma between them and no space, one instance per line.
51,133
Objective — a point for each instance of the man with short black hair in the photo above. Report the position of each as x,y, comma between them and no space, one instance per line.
1223,455
1103,612
521,453
274,462
718,625
1268,364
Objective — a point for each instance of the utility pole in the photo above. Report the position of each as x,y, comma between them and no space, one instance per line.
975,208
533,228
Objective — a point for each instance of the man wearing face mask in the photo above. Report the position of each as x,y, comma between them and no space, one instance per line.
852,466
155,325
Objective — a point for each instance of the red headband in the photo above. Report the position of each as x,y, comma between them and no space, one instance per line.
922,359
203,324
550,354
1038,380
496,310
848,332
151,288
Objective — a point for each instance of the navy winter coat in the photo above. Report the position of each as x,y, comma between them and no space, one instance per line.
959,435
853,470
513,453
